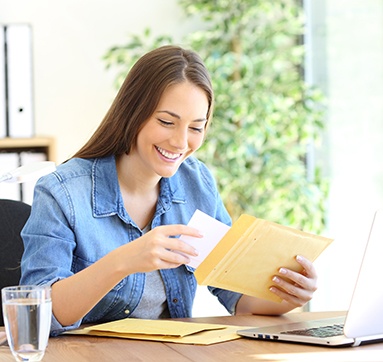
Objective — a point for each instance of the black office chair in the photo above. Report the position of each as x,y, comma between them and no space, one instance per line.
13,216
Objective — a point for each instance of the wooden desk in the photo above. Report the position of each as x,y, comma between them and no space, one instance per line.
100,349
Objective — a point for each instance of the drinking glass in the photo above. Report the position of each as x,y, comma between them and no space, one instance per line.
27,311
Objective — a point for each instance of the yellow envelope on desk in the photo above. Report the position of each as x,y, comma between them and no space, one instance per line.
163,331
252,251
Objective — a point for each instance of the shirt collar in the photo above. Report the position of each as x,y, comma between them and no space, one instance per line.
106,194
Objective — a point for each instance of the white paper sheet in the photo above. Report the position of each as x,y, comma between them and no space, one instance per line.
212,231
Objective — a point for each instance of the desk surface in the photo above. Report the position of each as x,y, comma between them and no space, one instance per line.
84,348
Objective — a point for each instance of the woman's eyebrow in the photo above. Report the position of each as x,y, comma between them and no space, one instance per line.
175,115
170,113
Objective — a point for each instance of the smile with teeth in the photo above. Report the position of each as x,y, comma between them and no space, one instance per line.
171,156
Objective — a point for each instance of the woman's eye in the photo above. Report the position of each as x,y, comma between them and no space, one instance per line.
199,130
165,123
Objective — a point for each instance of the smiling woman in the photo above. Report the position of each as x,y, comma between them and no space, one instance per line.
172,134
139,97
104,228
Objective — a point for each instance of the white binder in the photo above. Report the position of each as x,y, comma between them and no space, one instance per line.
27,188
8,162
18,39
3,100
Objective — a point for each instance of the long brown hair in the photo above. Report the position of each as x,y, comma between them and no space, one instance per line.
139,96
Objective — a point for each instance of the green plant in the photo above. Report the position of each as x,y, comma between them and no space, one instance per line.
265,114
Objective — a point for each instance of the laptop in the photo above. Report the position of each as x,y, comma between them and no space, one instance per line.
363,322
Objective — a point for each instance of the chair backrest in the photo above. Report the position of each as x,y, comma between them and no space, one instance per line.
13,216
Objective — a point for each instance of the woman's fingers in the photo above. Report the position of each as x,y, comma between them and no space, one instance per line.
161,248
296,288
167,237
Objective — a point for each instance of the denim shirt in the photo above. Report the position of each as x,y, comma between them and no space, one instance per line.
78,216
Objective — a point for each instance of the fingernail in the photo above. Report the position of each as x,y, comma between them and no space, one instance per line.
283,271
276,279
299,258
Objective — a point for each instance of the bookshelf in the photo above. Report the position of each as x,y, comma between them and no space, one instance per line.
34,144
15,152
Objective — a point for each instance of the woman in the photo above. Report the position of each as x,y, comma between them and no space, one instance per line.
103,228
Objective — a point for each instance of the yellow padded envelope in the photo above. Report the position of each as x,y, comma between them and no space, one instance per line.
163,331
252,251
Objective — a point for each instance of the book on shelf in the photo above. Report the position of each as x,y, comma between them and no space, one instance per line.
9,161
16,81
18,38
19,190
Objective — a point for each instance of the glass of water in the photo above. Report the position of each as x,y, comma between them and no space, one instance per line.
27,311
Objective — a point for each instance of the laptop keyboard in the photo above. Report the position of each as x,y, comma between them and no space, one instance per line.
321,332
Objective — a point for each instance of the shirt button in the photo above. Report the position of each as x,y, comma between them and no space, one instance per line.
175,300
127,311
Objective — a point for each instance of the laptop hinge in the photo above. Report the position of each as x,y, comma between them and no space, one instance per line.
357,342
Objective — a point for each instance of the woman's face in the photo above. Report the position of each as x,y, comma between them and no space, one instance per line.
174,131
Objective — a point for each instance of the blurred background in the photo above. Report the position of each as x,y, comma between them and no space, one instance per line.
342,60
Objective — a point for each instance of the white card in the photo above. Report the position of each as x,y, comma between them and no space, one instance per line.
211,229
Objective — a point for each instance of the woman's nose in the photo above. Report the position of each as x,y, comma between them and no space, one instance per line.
180,139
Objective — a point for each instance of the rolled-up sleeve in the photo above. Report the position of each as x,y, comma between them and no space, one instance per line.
56,327
227,298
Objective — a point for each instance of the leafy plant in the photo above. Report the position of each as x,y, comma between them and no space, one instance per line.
265,115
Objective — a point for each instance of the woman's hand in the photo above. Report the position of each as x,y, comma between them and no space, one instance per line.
296,288
159,249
